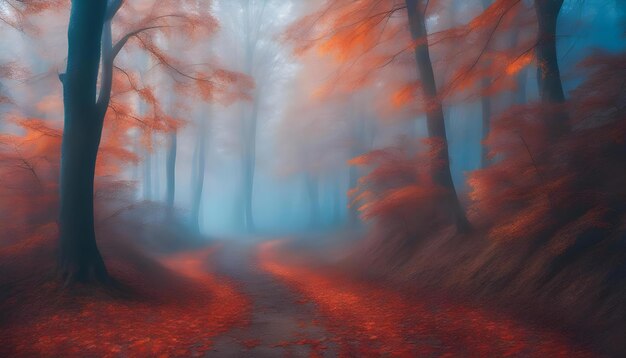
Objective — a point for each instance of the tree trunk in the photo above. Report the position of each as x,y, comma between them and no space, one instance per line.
312,187
336,193
79,257
353,180
147,176
171,172
485,105
198,177
548,74
250,166
434,113
156,173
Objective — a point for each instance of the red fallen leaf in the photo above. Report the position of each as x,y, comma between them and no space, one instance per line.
106,327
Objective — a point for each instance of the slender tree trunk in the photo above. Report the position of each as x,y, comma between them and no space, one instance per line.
548,73
156,180
250,166
312,187
353,179
147,176
434,114
198,177
336,201
171,171
485,105
80,259
136,165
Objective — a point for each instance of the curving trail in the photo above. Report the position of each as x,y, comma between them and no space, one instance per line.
369,320
280,325
257,300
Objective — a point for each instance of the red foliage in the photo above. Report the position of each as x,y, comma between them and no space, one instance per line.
537,184
399,195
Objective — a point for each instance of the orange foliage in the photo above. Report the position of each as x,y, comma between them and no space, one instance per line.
370,42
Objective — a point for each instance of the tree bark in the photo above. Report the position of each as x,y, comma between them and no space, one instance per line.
548,73
434,113
79,257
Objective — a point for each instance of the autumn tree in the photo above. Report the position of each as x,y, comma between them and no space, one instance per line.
363,29
434,113
85,114
250,34
80,258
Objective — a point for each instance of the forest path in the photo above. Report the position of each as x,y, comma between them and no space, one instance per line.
281,324
302,308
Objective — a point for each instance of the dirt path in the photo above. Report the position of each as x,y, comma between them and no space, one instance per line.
300,311
281,324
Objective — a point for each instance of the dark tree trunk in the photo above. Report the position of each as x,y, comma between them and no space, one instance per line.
486,107
80,259
434,114
485,104
171,172
548,74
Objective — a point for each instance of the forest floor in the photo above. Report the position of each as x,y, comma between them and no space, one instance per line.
302,308
253,298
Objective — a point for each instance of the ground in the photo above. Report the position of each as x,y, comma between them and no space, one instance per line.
257,298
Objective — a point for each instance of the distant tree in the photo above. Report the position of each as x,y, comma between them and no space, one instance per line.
462,61
255,52
170,170
198,171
